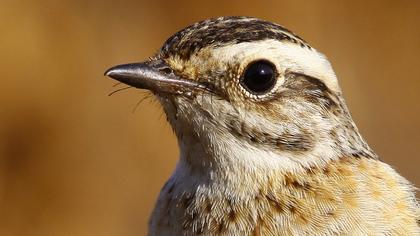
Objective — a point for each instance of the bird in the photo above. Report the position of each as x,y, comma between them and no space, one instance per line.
267,143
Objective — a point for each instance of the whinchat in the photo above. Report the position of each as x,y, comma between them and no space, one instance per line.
267,144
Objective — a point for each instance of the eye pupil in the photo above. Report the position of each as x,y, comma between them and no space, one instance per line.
259,77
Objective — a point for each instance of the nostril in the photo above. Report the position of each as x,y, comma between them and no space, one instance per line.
166,70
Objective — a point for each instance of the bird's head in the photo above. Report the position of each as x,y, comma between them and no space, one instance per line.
246,90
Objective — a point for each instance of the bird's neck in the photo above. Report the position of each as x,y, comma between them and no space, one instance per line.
226,197
230,162
222,158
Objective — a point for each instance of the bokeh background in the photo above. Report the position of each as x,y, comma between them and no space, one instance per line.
74,161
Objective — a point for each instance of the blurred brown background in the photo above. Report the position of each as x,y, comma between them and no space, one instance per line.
74,161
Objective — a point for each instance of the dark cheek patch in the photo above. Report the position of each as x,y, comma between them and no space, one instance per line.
311,90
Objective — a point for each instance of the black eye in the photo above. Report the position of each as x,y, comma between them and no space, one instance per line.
259,77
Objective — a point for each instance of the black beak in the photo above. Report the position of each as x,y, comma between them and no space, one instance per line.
151,76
